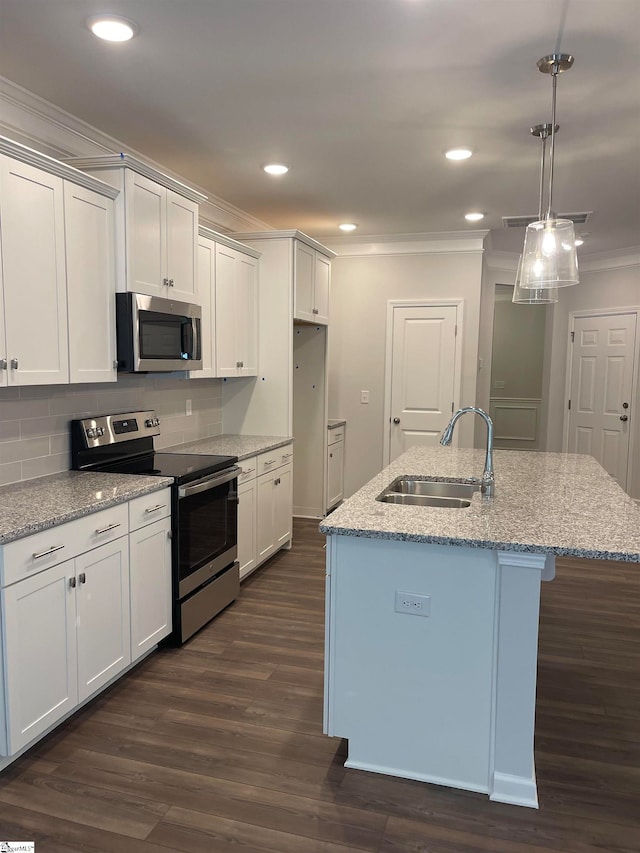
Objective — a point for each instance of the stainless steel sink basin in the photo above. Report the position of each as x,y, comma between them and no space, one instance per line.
424,500
410,491
434,488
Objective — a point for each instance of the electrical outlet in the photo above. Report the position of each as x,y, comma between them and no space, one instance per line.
188,409
413,603
364,397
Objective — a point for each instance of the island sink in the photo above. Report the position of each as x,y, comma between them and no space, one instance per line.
447,494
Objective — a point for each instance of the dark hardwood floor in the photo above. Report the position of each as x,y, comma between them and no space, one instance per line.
218,747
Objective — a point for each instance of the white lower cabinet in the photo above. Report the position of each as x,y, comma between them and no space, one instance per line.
335,467
265,492
70,626
150,557
247,518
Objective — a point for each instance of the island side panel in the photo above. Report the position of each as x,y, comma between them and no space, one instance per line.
413,694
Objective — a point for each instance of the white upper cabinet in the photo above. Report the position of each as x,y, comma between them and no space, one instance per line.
57,311
89,245
156,227
33,258
312,273
207,298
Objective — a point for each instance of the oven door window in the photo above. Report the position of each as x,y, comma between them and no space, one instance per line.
207,526
164,336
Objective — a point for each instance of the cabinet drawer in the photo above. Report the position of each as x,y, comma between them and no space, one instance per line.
249,468
149,508
335,434
30,555
273,459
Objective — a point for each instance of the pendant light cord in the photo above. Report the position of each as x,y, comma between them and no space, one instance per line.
554,79
544,147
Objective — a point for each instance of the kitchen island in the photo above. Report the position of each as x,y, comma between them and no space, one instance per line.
432,613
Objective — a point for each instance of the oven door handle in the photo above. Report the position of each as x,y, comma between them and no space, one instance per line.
208,483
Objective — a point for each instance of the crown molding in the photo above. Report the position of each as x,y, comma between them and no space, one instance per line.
379,245
293,233
502,261
229,242
615,260
39,124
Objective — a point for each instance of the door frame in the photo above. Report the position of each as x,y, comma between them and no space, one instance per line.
635,377
392,304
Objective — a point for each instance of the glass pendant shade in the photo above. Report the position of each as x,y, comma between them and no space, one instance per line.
549,257
532,296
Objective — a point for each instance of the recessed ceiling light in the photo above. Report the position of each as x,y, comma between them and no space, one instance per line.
112,28
458,153
347,226
276,169
474,217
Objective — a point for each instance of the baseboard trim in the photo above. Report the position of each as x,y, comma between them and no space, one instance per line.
354,764
515,790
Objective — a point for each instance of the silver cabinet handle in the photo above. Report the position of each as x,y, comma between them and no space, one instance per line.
287,455
108,528
155,508
248,471
82,577
238,364
14,363
52,550
269,461
72,583
315,311
165,282
170,282
3,363
331,456
276,482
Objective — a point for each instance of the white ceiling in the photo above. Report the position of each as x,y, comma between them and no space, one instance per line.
362,97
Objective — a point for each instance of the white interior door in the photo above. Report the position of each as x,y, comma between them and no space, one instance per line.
600,390
423,375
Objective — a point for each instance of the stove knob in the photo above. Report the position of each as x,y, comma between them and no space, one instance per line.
91,433
100,430
149,422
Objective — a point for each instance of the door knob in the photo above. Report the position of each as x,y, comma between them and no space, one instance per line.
396,420
624,417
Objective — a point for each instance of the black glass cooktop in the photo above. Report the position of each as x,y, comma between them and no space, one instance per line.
183,467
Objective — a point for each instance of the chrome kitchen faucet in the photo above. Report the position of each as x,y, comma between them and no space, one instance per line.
487,482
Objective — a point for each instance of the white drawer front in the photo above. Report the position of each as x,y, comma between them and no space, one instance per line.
249,468
102,527
42,550
334,435
273,459
149,508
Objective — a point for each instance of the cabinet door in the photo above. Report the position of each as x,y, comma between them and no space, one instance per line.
321,282
303,270
39,616
265,531
247,521
4,379
335,474
182,242
206,298
282,505
145,227
247,314
226,337
150,576
91,285
102,596
35,293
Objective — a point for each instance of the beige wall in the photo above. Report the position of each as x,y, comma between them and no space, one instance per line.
518,348
606,288
361,288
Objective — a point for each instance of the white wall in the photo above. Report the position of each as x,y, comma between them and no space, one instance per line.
361,287
611,283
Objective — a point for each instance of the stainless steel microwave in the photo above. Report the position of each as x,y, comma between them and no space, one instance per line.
156,334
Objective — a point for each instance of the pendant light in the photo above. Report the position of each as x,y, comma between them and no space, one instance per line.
549,257
537,295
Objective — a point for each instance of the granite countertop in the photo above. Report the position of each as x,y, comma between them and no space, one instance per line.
35,505
558,503
242,446
332,423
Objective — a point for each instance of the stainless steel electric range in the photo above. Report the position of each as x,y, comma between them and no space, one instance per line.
204,508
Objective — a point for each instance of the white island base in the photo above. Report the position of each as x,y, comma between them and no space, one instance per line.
443,692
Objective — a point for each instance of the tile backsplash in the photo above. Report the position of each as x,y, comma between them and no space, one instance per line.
34,421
